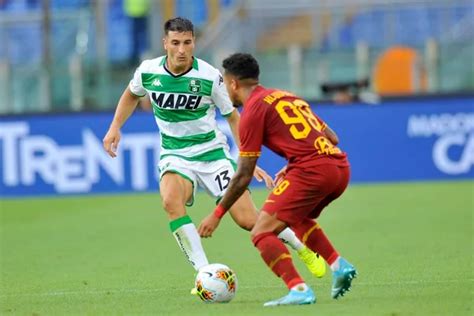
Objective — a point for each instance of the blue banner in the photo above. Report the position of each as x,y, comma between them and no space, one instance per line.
395,141
416,140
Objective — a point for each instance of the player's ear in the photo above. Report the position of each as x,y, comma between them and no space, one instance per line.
164,42
234,83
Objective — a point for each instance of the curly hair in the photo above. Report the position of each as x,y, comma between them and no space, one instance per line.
241,65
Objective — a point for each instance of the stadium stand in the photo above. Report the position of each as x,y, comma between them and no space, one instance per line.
326,35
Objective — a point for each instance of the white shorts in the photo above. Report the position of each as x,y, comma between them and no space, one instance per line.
212,176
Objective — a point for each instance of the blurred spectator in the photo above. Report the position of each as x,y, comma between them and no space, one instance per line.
349,92
343,97
137,11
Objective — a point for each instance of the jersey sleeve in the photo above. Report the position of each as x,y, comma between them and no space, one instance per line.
220,96
251,131
321,123
136,86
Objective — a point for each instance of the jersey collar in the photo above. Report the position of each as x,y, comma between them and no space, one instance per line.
195,66
255,93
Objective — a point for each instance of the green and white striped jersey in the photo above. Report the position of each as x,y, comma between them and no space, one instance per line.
184,108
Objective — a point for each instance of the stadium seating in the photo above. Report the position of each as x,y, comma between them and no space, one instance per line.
331,36
409,25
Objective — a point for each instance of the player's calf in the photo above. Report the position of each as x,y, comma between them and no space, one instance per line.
244,213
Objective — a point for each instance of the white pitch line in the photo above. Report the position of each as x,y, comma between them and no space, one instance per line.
124,291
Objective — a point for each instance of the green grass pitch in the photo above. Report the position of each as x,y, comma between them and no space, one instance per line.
412,244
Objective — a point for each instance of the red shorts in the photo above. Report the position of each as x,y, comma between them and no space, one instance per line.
305,192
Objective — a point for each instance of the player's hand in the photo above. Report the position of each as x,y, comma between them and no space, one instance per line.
280,175
208,225
261,175
111,141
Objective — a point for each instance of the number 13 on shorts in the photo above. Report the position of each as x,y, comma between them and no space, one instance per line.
215,176
223,179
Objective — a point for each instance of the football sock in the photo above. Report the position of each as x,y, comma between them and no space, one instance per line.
189,241
288,237
277,257
302,287
335,265
311,234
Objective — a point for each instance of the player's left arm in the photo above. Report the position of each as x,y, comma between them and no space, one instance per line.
251,132
239,183
233,120
331,135
221,98
327,131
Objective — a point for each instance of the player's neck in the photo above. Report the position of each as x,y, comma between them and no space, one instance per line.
247,91
178,70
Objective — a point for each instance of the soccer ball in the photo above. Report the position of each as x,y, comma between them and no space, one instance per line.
216,283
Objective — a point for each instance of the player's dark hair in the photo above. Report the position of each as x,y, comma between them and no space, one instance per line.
179,24
243,66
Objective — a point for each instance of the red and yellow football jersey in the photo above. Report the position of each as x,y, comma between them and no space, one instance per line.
286,125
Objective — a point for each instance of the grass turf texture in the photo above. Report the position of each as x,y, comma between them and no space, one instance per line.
412,245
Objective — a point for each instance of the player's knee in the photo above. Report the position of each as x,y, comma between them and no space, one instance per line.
167,204
252,235
266,224
254,232
170,205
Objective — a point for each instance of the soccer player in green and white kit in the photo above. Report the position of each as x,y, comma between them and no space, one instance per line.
185,92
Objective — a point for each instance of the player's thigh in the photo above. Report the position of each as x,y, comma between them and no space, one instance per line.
177,185
244,212
320,207
294,198
338,180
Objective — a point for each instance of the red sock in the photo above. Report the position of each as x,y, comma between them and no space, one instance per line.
311,234
277,257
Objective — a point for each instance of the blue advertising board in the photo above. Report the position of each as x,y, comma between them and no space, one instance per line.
415,140
395,141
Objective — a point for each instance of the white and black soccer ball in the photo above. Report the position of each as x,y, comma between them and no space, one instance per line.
216,283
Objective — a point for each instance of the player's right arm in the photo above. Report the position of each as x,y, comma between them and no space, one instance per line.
126,105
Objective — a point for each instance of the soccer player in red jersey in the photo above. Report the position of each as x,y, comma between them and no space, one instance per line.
316,174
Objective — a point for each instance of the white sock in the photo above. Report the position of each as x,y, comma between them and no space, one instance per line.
189,241
301,287
288,237
335,264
